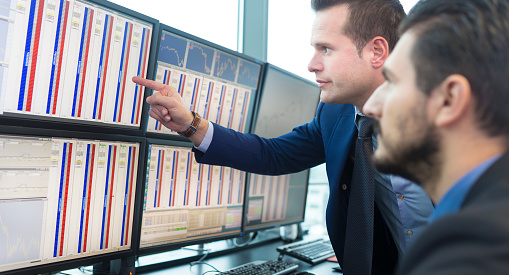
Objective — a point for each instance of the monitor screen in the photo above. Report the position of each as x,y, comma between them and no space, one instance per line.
72,60
186,202
217,83
64,199
286,101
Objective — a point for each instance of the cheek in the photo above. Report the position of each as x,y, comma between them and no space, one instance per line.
334,69
395,113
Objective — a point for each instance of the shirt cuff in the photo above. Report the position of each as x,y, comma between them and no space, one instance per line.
205,143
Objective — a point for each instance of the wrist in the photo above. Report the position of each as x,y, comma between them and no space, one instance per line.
200,134
193,127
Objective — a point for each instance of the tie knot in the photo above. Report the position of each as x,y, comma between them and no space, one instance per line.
364,126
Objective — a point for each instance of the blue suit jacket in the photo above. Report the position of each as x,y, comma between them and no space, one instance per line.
327,138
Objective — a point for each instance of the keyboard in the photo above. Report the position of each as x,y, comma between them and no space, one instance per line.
262,268
310,251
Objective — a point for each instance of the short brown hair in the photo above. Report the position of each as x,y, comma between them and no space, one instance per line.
470,38
368,19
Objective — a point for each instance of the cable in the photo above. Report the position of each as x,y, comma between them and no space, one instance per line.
92,271
82,269
207,251
200,261
197,263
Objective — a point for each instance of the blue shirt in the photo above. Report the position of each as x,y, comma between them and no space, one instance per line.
452,200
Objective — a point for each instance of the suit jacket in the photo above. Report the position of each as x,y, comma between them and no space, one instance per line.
475,240
327,138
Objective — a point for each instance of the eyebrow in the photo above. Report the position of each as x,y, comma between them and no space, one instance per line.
320,44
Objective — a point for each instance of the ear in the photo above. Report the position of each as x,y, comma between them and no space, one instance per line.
380,51
452,100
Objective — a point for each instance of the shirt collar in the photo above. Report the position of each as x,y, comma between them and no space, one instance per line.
452,200
358,112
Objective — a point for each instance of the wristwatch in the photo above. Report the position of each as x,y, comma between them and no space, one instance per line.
193,127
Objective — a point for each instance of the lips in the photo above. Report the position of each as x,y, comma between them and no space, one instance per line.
322,83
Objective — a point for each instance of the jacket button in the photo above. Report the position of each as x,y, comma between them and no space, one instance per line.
344,187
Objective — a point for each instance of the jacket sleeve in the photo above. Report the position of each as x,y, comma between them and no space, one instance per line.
300,149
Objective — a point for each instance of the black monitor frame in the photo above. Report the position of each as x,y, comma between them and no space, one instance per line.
296,176
254,96
266,68
177,245
57,123
265,226
86,260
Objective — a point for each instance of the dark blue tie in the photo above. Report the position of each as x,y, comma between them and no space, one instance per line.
358,253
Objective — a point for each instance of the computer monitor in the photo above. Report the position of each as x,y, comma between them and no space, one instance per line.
286,101
66,199
217,83
186,202
71,62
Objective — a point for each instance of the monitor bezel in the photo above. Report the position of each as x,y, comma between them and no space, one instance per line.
59,123
92,259
267,68
266,226
185,35
143,251
266,71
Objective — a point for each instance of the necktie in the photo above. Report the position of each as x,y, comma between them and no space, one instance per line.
358,250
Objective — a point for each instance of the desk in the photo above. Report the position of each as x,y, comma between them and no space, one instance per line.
266,251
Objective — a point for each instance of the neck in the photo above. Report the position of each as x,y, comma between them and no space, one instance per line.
361,98
460,155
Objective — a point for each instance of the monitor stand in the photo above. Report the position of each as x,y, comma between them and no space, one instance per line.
290,233
116,267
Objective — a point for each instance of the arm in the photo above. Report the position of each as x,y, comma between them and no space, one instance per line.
293,152
300,149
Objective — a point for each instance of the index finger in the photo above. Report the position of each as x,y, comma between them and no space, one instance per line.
152,84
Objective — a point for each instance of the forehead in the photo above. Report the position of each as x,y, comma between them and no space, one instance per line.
329,22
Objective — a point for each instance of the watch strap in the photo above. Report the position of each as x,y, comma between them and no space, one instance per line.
193,127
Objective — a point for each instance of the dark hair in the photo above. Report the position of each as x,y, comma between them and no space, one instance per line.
368,19
470,38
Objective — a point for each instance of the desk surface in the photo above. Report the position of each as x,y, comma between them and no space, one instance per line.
261,252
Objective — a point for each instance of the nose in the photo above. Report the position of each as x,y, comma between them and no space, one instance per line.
374,106
315,64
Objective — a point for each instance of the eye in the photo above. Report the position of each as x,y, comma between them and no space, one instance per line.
325,49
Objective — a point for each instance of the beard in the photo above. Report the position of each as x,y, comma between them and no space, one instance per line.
414,159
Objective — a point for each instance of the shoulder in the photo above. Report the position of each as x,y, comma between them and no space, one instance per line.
473,241
330,114
340,109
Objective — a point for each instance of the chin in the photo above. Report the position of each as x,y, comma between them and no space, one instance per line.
418,162
387,166
323,97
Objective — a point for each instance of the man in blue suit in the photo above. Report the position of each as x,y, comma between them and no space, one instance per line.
352,39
